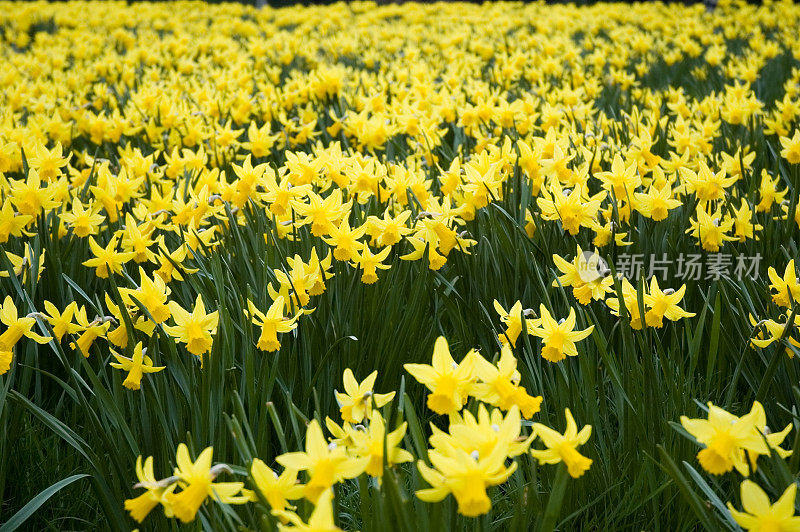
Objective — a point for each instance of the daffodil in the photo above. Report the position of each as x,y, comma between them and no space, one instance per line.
196,483
769,193
791,147
136,366
705,184
572,207
558,338
196,329
356,402
62,322
345,240
585,288
728,438
30,197
21,265
743,225
371,262
513,320
141,506
260,140
276,489
656,202
89,331
320,520
293,287
272,323
370,444
16,328
48,163
152,295
119,336
661,304
449,383
630,301
322,213
762,516
466,475
388,230
499,385
481,434
107,260
776,331
12,223
564,447
786,289
84,221
327,464
172,264
711,229
622,180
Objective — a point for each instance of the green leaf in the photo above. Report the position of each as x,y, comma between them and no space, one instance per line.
34,504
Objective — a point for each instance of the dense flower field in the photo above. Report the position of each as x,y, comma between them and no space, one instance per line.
411,267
